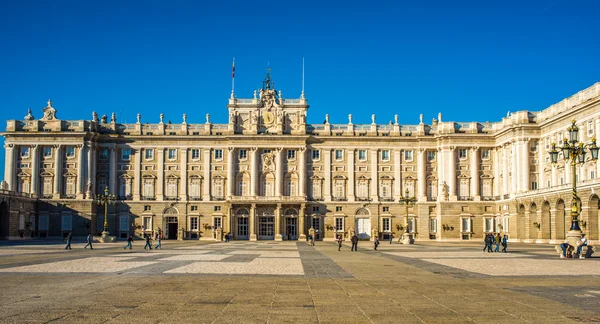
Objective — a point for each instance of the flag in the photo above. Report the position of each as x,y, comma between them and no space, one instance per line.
233,69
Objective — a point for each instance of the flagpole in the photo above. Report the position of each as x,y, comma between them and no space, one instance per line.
302,95
233,76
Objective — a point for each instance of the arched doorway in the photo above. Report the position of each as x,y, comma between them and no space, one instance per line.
533,230
546,228
170,223
4,220
521,223
593,223
291,224
241,223
560,220
363,223
266,223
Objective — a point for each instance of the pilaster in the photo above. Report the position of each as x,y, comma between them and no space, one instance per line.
57,170
137,174
160,174
207,180
80,169
475,173
421,178
351,181
327,180
35,169
183,184
374,179
230,172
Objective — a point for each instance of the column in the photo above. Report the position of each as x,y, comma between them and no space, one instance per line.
279,172
525,172
112,170
554,175
397,175
183,184
160,174
597,136
278,236
302,176
452,173
230,172
57,170
514,186
374,178
497,167
327,166
440,163
80,168
207,180
540,156
251,222
301,220
253,171
421,178
35,169
351,181
10,167
475,173
505,180
137,178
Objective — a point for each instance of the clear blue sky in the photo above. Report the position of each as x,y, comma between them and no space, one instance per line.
471,60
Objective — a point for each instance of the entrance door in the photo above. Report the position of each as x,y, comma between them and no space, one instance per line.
291,229
172,228
266,228
363,228
316,224
242,228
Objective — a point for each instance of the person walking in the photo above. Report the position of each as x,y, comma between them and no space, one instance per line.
376,242
148,244
498,240
354,241
89,240
68,247
129,241
158,242
504,243
485,242
339,241
391,237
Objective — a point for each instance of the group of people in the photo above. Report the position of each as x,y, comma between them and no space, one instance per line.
567,249
496,240
89,241
354,241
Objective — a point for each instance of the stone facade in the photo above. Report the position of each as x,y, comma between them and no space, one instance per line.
268,175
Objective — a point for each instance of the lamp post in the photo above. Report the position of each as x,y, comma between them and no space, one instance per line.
576,152
407,238
105,200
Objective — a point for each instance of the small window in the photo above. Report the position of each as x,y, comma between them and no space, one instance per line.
104,154
25,151
466,224
194,208
430,155
194,224
462,153
149,154
386,209
291,154
362,155
172,154
217,208
243,154
316,154
147,207
339,224
338,208
47,151
266,151
485,154
385,155
70,151
534,185
126,154
218,154
315,209
195,154
408,155
387,226
339,155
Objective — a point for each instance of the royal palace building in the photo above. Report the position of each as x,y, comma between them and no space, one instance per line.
268,175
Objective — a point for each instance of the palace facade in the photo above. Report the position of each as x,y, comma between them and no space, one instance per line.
268,175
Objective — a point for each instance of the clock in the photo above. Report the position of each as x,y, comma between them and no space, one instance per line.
268,118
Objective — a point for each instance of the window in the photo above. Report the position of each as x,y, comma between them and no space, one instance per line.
489,224
363,190
266,151
172,154
462,153
534,185
149,154
25,151
387,225
386,209
432,189
560,139
465,225
590,127
316,154
486,188
218,154
430,155
104,154
47,151
433,225
149,188
408,155
362,155
46,187
315,209
126,154
43,223
339,224
195,154
195,189
171,188
592,174
316,188
124,223
193,224
339,155
464,188
70,187
385,155
147,224
485,154
218,188
217,222
66,223
243,154
412,224
340,189
70,152
386,189
217,208
147,207
291,154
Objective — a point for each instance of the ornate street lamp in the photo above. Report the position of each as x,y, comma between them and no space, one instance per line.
406,200
105,200
576,153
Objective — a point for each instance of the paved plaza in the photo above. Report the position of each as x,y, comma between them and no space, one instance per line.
291,282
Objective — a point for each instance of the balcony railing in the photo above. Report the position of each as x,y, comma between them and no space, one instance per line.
339,199
196,198
69,197
386,198
431,198
488,198
148,198
218,198
362,199
465,198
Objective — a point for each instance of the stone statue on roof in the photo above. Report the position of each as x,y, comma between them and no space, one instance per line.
49,112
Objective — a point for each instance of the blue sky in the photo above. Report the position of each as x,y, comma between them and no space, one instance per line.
471,60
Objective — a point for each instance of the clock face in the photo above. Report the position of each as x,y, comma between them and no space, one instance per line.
268,118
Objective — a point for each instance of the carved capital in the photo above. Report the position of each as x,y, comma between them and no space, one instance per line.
302,149
33,146
57,146
8,146
475,148
452,148
230,148
79,145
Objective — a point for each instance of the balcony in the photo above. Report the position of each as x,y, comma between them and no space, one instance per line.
316,199
218,198
362,199
268,198
339,199
47,196
197,198
465,198
171,197
148,198
488,198
69,197
386,199
430,198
